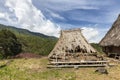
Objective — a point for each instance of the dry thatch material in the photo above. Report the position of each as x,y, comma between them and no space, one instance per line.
112,38
71,42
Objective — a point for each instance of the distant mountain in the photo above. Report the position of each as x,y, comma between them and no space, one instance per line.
32,42
24,31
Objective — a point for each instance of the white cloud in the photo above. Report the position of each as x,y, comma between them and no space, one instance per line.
55,15
29,17
94,34
90,34
5,16
2,15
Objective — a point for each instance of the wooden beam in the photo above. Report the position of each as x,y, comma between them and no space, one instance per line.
79,62
70,66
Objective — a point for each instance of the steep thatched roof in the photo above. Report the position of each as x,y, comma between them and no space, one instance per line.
112,38
71,40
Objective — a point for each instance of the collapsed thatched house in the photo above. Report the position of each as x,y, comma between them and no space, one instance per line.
71,45
111,42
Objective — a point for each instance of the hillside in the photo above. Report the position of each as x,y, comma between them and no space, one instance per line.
33,42
23,31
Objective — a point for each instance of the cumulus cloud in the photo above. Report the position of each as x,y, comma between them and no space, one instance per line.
5,16
94,34
90,34
2,15
29,17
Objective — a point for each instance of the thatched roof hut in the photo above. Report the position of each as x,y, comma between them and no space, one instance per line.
112,38
111,41
71,42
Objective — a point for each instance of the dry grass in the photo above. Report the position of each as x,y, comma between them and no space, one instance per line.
35,69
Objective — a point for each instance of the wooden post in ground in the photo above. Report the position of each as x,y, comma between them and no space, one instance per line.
56,58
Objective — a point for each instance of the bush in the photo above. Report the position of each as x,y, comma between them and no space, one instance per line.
9,44
97,47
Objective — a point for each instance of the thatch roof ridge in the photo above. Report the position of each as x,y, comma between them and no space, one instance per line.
71,30
112,36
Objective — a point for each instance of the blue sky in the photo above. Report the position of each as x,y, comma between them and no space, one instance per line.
94,17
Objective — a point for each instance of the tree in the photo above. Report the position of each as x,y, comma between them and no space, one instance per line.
9,43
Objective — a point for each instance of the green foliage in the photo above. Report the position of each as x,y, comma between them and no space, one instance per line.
97,47
9,44
33,42
33,69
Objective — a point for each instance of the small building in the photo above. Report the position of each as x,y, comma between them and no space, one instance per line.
111,42
71,46
73,50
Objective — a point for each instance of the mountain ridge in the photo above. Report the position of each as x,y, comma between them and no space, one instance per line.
24,31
